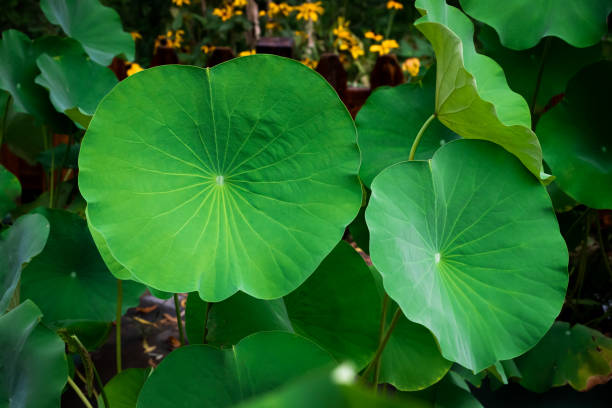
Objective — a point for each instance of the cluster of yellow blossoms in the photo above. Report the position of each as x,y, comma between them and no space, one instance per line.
173,40
346,40
412,66
181,2
230,10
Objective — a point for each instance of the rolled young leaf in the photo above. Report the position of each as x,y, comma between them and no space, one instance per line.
468,245
472,96
204,179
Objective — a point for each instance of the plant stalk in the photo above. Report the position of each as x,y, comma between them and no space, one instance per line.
381,333
118,325
383,343
179,321
602,247
208,307
419,135
79,393
536,91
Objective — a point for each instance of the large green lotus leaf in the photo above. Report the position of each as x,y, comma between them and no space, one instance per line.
33,369
10,190
122,390
96,27
18,244
468,245
203,179
204,376
558,60
522,23
23,135
339,298
74,81
112,264
17,72
472,96
411,360
69,280
574,355
327,388
390,120
576,138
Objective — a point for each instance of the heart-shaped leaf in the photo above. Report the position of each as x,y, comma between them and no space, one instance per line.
468,246
557,61
33,368
74,81
69,280
10,191
576,355
390,120
472,96
18,244
17,73
203,375
522,23
339,297
122,390
96,27
576,137
214,182
411,360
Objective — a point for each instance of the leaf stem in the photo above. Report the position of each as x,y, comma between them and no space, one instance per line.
419,135
179,321
206,315
602,247
78,392
536,91
383,343
118,325
52,175
381,333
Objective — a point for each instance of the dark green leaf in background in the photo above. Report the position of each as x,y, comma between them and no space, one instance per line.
68,280
96,27
390,120
522,23
576,137
18,244
33,369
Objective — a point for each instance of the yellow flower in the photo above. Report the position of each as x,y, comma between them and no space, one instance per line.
342,30
178,38
136,35
262,13
371,35
206,49
239,3
309,11
224,13
247,52
385,47
164,41
272,25
412,66
309,63
282,8
181,2
356,51
132,68
395,5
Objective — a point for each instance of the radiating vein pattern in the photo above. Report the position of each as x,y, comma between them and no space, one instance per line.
468,245
240,177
